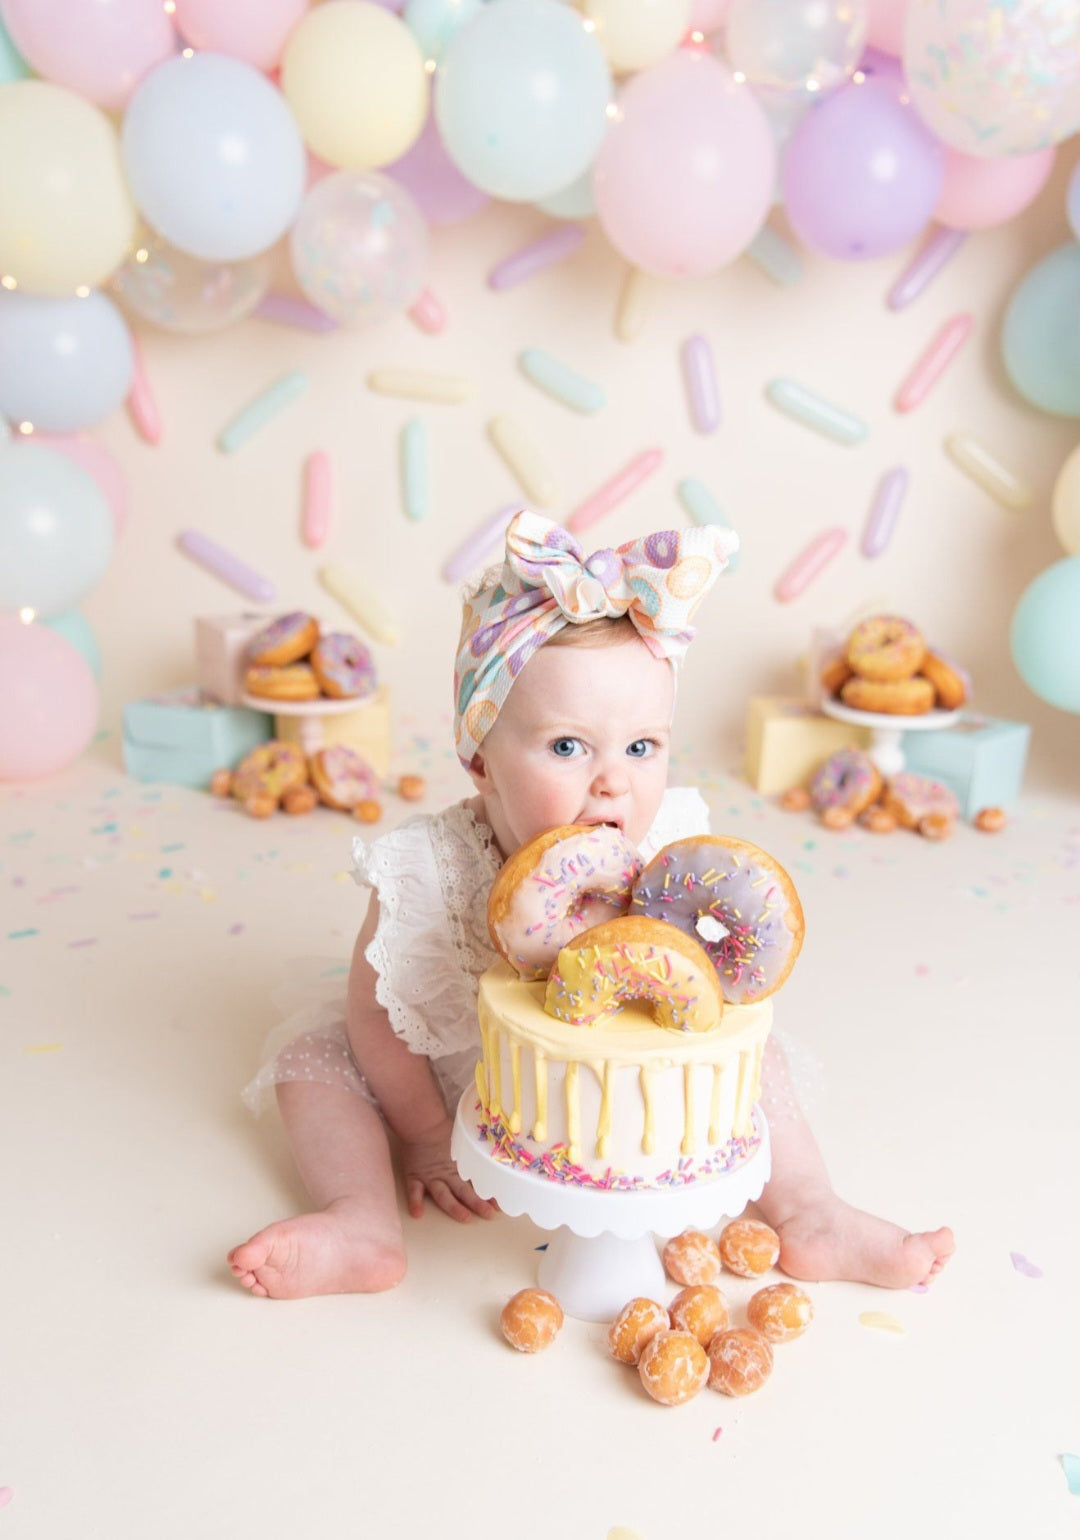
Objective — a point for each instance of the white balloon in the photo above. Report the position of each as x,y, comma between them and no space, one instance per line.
64,363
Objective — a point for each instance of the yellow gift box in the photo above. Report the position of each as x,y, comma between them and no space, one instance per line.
786,740
366,729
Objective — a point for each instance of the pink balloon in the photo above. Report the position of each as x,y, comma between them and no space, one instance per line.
48,701
253,30
886,26
94,458
685,176
980,191
708,15
101,50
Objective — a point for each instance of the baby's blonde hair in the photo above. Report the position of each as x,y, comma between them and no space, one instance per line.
608,631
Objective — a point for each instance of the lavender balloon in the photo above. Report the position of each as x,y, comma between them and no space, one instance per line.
442,194
862,174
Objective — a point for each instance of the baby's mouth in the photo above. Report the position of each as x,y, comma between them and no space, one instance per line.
602,823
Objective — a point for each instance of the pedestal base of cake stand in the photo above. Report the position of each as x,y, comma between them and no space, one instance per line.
886,732
603,1252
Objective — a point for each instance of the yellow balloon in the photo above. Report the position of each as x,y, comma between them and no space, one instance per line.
66,216
354,77
634,33
1065,508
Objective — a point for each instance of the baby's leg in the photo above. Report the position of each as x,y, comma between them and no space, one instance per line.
820,1235
352,1242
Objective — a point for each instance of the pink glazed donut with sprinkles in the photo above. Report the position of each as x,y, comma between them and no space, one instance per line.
735,900
561,883
343,666
848,779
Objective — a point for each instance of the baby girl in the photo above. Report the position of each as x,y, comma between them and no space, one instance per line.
564,696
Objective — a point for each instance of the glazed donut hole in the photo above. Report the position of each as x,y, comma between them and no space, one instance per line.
673,1367
636,1324
740,1361
691,1258
780,1312
748,1247
701,1309
531,1320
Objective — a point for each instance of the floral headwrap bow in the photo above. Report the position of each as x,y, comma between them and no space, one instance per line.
547,582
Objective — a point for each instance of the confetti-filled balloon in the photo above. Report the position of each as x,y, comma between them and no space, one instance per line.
359,247
995,78
795,45
1040,336
181,293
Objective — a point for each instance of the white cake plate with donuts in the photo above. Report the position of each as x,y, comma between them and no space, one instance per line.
603,1252
887,730
309,712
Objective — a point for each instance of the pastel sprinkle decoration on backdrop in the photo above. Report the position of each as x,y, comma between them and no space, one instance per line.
884,511
976,461
703,393
288,310
1023,1266
428,313
776,257
420,385
558,244
483,545
615,489
933,362
414,469
315,526
880,1320
813,411
361,603
635,304
1070,1464
811,560
560,382
262,410
141,402
938,249
223,564
525,460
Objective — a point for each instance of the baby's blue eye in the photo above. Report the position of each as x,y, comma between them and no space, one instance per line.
640,748
565,748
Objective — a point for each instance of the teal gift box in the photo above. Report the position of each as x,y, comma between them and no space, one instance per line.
981,759
183,736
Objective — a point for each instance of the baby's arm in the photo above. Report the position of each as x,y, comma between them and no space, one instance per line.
405,1089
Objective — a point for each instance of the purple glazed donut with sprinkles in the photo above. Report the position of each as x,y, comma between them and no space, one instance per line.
564,694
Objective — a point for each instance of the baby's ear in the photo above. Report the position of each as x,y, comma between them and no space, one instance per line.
478,773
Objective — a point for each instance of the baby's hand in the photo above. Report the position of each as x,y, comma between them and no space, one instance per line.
428,1168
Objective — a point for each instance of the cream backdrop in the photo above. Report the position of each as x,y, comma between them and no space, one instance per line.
957,563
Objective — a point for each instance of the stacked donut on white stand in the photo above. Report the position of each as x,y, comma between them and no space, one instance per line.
617,1091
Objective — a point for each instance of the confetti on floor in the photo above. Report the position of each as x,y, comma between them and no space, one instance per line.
717,1434
880,1320
1070,1464
620,1532
6,1494
44,1048
1022,1265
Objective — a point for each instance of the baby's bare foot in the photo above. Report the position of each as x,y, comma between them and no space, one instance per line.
330,1252
833,1240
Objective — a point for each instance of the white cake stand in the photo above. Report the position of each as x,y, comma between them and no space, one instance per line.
887,730
603,1253
309,712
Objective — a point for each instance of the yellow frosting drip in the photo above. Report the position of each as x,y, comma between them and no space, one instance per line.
540,1126
514,1121
573,1112
689,1143
648,1136
603,1127
714,1103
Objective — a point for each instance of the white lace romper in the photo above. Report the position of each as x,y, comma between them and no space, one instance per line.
432,875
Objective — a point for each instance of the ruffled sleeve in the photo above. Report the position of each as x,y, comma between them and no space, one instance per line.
683,813
431,876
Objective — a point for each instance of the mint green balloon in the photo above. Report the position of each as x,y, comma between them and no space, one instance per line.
12,64
1045,635
76,629
56,531
1040,337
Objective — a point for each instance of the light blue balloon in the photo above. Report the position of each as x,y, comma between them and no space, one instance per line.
1045,636
1040,336
213,156
75,628
1072,202
64,363
521,98
574,202
56,531
12,64
434,22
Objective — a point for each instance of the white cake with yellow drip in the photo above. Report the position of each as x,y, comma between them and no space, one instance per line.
620,1103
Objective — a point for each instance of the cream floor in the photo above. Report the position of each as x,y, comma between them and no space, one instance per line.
143,1393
